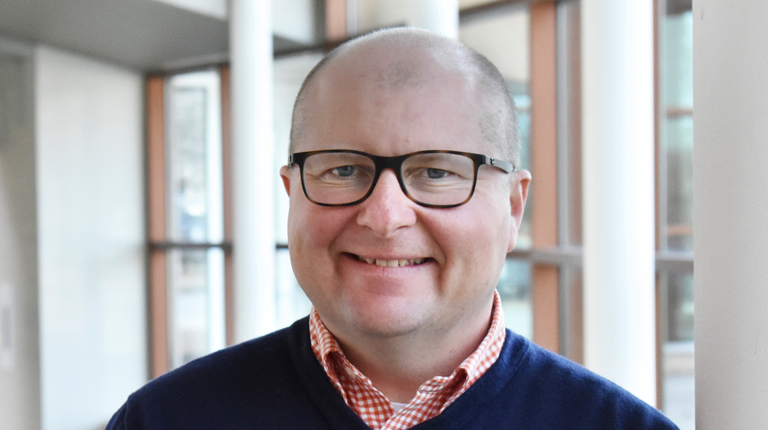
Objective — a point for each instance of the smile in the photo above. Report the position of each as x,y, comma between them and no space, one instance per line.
392,263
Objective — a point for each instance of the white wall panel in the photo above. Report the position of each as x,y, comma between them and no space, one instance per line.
19,357
91,235
730,210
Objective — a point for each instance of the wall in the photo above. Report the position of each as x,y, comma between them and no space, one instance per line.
214,8
19,358
93,341
730,210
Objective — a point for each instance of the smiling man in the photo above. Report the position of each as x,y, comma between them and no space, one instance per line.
405,199
404,278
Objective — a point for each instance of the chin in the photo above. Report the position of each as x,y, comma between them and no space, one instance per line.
385,321
386,329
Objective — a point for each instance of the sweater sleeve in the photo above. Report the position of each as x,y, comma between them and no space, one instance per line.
118,420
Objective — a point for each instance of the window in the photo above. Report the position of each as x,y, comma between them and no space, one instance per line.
675,213
540,264
188,253
503,37
194,216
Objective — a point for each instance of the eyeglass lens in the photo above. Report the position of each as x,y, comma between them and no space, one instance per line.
433,178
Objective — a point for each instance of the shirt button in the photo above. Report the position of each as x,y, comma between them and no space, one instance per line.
350,372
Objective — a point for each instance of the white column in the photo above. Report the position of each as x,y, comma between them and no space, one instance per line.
252,167
437,16
730,213
618,181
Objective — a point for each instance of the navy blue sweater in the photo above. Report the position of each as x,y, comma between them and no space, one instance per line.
275,382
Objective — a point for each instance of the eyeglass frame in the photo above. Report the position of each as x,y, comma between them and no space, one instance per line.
396,163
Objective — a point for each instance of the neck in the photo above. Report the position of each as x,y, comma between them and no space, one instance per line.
398,365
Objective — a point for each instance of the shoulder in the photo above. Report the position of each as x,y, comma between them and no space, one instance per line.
225,387
231,367
549,391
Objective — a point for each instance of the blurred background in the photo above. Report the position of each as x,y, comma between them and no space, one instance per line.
133,131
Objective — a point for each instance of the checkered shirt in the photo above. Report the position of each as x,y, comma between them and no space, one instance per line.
431,398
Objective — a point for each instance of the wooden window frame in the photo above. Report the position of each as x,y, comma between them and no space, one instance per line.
158,245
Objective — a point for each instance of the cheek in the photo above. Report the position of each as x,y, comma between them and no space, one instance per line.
312,230
476,242
310,235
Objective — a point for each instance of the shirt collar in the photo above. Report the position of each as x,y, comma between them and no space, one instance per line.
329,353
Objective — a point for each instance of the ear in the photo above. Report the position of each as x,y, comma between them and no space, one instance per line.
285,175
518,194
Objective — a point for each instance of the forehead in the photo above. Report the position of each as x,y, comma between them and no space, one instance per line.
391,101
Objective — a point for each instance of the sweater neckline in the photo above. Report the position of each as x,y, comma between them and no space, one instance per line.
339,415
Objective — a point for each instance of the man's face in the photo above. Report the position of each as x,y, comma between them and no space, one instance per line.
351,105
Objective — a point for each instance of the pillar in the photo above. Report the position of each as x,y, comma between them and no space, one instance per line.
253,170
618,193
730,210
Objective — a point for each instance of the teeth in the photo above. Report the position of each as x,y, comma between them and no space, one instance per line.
393,263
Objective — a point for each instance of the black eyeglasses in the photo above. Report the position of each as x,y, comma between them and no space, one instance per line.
434,179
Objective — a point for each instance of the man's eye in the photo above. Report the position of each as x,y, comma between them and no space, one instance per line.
437,173
344,171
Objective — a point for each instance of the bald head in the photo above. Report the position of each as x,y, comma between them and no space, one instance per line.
406,59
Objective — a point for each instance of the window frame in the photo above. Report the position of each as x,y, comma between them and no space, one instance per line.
158,245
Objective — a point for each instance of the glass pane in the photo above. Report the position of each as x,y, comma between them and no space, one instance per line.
678,60
515,291
504,39
292,303
195,304
678,95
680,183
194,178
289,73
680,307
677,208
679,386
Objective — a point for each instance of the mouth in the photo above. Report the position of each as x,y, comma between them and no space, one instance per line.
391,263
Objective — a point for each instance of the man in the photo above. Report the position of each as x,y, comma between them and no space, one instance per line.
405,200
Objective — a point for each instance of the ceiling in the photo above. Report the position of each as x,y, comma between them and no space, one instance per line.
140,34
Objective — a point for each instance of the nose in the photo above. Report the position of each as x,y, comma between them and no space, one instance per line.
387,208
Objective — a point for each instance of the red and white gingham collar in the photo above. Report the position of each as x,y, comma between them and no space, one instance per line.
432,397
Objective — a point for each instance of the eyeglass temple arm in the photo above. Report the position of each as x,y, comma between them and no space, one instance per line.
501,164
